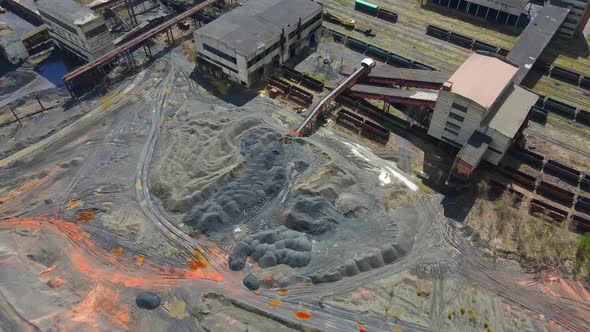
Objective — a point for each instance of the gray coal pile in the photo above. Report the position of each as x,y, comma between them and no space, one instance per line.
273,247
147,300
262,177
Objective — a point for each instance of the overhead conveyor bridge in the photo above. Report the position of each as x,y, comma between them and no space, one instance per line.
403,77
318,111
133,44
394,95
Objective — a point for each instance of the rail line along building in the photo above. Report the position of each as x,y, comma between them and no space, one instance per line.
481,111
509,12
247,42
516,12
76,28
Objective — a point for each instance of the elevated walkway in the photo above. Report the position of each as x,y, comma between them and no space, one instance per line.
412,78
393,95
535,38
133,44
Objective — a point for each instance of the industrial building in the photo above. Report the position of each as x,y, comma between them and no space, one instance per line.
513,12
11,46
481,111
577,18
503,11
76,28
247,42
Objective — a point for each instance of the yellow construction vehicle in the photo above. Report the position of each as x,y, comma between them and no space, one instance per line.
346,22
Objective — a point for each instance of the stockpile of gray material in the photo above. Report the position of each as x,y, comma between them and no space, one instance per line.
261,178
272,247
147,300
372,259
251,282
312,215
199,152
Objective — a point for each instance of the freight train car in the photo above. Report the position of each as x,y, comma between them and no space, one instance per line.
366,7
561,108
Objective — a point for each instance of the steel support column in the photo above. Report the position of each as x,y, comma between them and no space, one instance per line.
15,116
39,101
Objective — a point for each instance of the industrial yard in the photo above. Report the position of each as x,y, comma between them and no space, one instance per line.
278,165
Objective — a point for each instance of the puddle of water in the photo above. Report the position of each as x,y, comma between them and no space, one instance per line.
54,68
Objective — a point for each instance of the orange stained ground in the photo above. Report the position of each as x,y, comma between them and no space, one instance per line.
28,186
85,215
304,315
101,299
274,303
97,265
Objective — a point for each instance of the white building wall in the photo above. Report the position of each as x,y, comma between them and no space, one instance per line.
75,36
446,123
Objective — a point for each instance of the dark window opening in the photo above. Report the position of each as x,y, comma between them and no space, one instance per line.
452,131
456,117
220,54
459,108
452,125
96,31
216,62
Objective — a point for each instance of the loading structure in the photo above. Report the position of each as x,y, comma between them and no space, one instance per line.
321,108
96,65
394,95
404,77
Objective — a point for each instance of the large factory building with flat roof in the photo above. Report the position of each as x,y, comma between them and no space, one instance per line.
247,42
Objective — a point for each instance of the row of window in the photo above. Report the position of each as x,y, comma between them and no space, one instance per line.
305,25
263,55
199,54
66,35
58,22
219,53
96,31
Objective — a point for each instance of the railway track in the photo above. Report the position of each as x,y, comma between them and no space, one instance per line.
537,133
403,40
